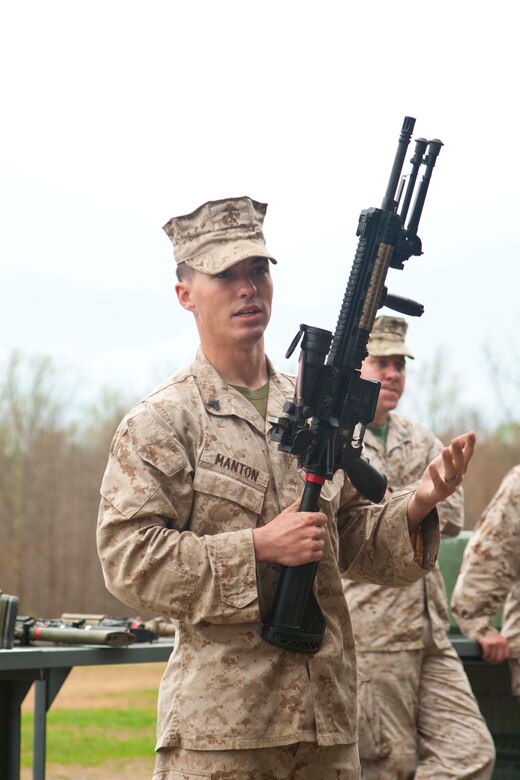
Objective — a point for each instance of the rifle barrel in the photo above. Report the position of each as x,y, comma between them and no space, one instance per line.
389,203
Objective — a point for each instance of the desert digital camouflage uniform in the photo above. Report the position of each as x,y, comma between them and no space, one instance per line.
191,472
511,630
490,573
418,716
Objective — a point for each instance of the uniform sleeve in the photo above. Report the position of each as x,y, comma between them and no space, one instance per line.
511,619
491,562
150,558
375,544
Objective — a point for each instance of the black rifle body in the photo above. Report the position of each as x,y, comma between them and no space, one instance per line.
325,422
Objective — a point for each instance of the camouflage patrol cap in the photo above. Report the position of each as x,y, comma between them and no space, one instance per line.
219,234
387,337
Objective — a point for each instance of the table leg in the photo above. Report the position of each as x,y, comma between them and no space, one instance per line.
45,692
12,694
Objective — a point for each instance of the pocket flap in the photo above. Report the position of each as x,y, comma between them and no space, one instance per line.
155,443
221,475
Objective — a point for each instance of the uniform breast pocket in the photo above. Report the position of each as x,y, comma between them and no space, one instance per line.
229,494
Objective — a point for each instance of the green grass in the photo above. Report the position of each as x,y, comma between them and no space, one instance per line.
91,737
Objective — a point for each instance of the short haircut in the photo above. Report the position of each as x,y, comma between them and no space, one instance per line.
184,272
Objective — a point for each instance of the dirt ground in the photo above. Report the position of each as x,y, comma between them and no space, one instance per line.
101,686
133,770
88,687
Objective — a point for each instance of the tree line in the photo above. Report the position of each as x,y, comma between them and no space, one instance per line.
51,466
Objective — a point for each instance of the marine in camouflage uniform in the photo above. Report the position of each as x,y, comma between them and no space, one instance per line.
418,716
199,508
490,578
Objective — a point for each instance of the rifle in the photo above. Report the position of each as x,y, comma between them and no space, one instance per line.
324,424
30,630
70,628
141,631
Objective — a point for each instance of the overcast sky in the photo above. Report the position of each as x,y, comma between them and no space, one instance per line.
120,115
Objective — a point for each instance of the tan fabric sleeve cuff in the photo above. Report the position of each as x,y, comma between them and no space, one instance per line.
475,627
425,541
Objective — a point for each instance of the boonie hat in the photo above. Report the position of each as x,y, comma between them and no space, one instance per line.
219,234
387,337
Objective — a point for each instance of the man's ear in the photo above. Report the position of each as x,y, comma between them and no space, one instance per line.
184,295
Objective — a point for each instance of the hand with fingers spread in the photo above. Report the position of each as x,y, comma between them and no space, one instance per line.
441,478
291,538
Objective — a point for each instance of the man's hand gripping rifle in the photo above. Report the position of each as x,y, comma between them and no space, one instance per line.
324,424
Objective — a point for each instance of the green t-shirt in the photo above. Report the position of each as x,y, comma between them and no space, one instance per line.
257,397
380,431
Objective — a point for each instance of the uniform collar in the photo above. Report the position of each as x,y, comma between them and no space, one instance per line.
398,434
222,400
374,441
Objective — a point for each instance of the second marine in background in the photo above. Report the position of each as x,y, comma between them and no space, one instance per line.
490,578
418,716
